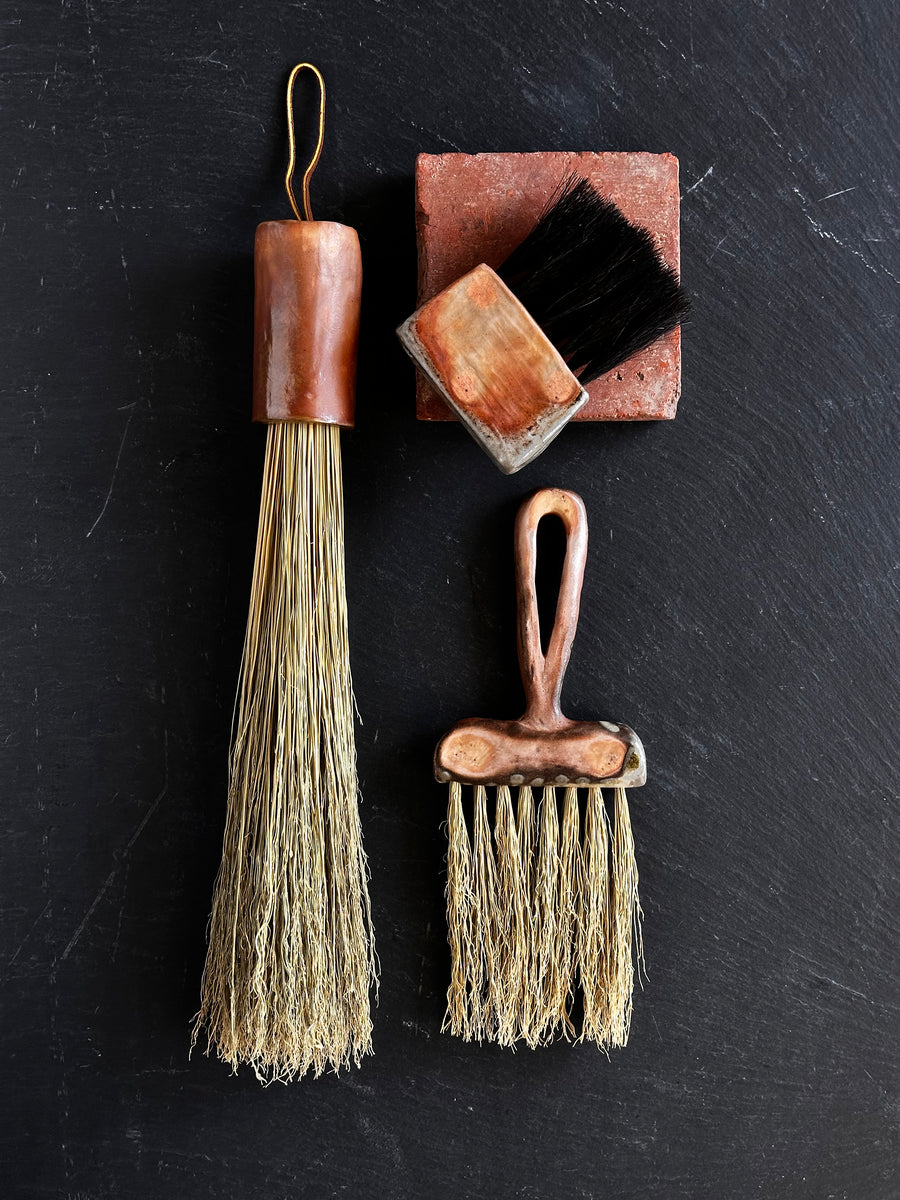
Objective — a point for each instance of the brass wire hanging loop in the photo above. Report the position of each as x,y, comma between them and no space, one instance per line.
317,153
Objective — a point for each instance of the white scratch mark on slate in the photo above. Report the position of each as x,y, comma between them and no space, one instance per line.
129,846
842,192
827,235
768,124
112,482
706,174
37,921
718,246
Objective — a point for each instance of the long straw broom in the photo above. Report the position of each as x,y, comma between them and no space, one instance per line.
291,959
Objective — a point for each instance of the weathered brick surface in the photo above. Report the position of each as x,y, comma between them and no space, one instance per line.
473,208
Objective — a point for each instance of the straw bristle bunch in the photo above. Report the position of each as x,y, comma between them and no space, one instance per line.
291,957
540,909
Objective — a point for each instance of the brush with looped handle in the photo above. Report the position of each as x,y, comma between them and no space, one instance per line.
291,958
545,904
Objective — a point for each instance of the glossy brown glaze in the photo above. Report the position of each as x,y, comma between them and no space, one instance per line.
544,747
306,321
495,366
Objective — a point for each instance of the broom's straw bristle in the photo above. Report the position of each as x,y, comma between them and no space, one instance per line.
538,910
550,974
460,906
291,957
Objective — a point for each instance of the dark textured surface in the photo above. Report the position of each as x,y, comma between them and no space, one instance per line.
739,606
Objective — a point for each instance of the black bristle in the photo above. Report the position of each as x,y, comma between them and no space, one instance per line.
595,283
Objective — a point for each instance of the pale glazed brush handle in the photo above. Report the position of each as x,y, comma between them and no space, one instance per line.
542,675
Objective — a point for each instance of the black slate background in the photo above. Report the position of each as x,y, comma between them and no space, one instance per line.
740,609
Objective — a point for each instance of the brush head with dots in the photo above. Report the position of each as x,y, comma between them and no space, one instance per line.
479,751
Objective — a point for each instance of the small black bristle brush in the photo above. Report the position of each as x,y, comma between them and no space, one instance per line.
596,284
511,350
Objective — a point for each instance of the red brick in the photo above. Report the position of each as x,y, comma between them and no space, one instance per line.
473,208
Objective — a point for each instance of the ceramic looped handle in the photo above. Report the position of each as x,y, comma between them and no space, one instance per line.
542,674
544,748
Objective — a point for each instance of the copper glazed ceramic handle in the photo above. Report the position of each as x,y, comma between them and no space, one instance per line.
544,748
542,674
306,318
